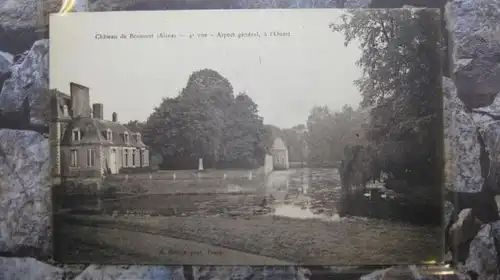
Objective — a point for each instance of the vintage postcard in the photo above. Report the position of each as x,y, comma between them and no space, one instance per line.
247,137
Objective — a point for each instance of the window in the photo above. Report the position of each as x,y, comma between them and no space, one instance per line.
133,157
126,157
141,157
74,158
65,110
109,135
90,157
77,134
138,137
125,137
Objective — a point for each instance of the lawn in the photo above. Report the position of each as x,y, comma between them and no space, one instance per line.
306,242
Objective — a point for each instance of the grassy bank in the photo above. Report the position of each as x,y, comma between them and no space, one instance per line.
308,242
104,245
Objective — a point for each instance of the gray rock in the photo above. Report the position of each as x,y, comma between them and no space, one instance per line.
354,4
462,148
25,200
281,272
18,13
29,78
178,273
222,272
398,273
28,268
465,228
340,269
461,272
248,272
125,272
6,60
483,256
81,6
71,270
474,30
492,110
490,132
448,213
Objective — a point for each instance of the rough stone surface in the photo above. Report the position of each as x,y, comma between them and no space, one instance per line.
29,269
461,272
448,213
125,272
25,15
25,193
490,132
492,110
483,256
352,4
465,228
487,120
248,272
475,32
398,273
18,13
6,60
29,78
462,148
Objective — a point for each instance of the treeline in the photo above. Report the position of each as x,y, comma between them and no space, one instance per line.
330,132
206,120
401,86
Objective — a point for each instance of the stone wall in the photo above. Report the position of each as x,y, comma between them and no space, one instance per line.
472,132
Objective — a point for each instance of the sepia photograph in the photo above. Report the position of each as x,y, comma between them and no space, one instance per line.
247,137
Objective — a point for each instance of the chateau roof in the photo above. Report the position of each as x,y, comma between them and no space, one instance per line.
94,132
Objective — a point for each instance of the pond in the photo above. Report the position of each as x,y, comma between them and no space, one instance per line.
305,193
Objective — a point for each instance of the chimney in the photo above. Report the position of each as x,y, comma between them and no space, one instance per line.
97,111
80,100
115,117
54,106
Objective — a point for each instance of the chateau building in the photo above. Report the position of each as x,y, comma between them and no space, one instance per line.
83,144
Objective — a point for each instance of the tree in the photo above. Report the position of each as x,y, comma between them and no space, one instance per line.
401,86
319,127
328,133
183,129
135,126
206,121
270,132
243,134
295,140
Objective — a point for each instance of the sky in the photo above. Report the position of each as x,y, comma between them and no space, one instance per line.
284,75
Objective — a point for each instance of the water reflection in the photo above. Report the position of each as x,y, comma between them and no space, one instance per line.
294,211
304,193
295,193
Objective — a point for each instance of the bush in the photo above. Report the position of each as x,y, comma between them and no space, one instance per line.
135,170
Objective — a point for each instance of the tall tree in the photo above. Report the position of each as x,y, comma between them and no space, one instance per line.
206,121
401,84
243,134
135,126
295,140
328,133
